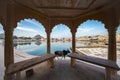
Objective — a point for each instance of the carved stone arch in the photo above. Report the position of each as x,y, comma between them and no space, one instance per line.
2,22
73,29
103,16
22,18
118,26
54,24
2,25
5,24
52,27
18,20
99,21
111,23
22,12
0,19
61,23
85,19
108,17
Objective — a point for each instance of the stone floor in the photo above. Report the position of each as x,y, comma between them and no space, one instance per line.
63,71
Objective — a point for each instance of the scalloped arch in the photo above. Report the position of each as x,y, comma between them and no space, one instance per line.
2,22
53,25
117,28
35,20
2,26
60,24
91,20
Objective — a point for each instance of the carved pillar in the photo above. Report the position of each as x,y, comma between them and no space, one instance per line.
73,41
9,56
112,45
51,61
9,52
48,41
73,46
9,26
111,52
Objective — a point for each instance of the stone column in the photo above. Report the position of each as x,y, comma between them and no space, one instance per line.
48,41
8,50
112,45
73,42
111,52
51,61
9,27
8,47
73,47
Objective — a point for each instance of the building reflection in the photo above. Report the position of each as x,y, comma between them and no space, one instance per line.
21,43
37,42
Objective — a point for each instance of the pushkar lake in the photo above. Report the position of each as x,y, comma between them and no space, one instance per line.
40,48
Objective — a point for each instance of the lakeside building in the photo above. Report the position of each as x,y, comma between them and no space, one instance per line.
84,38
102,38
28,39
37,37
61,39
118,37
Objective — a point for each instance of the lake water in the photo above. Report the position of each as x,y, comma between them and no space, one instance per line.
38,48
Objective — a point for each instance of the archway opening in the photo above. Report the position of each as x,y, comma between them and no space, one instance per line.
118,46
29,39
92,39
60,38
2,36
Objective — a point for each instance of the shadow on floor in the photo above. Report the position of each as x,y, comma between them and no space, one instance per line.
63,71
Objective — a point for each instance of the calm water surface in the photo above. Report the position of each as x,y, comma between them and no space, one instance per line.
38,48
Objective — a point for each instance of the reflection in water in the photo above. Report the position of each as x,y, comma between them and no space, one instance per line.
40,48
21,43
38,42
34,48
60,46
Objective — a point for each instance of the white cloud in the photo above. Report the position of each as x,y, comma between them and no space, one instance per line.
26,29
36,23
85,30
32,22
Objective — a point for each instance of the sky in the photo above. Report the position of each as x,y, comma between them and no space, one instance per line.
91,28
31,27
61,31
